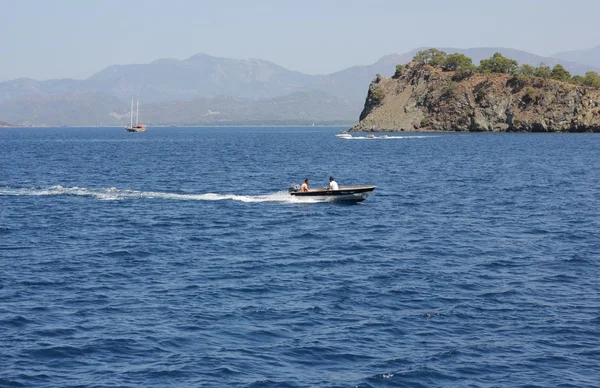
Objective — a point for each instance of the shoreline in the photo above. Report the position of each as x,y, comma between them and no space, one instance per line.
185,126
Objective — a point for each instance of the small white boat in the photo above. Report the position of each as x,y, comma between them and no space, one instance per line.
343,194
344,135
370,136
137,127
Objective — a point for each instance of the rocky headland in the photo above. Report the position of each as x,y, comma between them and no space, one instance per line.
422,97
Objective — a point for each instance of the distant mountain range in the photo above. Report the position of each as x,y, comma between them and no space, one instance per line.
177,92
91,108
590,57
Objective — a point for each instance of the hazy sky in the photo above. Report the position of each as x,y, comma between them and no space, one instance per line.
45,39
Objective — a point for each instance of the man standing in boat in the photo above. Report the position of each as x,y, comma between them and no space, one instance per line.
332,184
304,187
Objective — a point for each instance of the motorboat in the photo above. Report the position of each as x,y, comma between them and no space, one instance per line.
343,194
344,135
370,136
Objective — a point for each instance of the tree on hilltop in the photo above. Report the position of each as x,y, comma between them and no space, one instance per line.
498,64
432,56
577,80
592,79
526,70
457,61
543,71
560,73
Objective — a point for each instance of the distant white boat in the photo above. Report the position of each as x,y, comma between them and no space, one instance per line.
137,127
344,135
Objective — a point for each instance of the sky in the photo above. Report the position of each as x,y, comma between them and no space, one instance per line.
76,38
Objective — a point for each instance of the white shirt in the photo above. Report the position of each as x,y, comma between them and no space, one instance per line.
333,185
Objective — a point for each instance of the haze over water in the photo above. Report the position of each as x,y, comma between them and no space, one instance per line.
176,258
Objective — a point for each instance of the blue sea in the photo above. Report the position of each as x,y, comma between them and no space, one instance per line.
176,258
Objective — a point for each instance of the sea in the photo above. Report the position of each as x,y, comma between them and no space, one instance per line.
177,258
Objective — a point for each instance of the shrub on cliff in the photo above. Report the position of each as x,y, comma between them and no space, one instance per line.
464,72
377,93
543,71
518,82
530,95
560,73
498,64
481,90
577,80
432,56
592,79
448,90
454,62
526,70
398,73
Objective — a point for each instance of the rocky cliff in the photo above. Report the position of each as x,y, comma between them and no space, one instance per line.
424,98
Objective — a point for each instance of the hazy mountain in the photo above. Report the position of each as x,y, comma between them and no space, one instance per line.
66,109
589,56
352,83
300,107
29,87
95,108
171,79
198,76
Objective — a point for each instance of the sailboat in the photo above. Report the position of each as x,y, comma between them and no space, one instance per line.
137,127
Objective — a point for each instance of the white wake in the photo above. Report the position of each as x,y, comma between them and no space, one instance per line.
114,194
386,137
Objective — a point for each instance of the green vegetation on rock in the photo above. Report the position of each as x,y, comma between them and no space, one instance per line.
543,71
592,79
454,62
498,64
560,73
398,72
463,68
432,56
526,70
377,93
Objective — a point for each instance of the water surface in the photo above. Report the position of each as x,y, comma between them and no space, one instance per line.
175,257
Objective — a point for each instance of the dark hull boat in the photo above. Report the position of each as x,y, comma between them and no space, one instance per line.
137,127
344,194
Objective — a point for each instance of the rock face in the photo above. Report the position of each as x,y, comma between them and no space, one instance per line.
423,98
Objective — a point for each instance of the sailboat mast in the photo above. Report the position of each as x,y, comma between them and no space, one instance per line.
131,125
137,114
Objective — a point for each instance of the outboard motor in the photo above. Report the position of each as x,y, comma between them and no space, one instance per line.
294,188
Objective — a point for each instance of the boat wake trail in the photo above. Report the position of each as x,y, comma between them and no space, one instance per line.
114,194
387,137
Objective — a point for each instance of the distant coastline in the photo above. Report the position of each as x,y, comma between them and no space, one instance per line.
340,125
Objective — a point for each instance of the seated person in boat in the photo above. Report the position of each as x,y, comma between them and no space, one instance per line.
332,184
304,187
